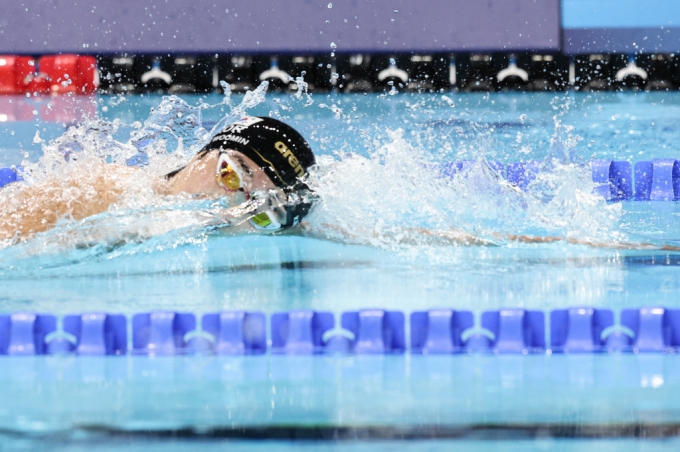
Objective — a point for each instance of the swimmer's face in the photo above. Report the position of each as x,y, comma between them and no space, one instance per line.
198,177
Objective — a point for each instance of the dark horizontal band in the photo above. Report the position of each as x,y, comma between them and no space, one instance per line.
489,431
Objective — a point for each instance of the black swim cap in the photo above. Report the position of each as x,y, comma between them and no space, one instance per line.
282,154
274,146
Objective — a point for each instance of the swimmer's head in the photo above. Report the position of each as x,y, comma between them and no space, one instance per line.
274,147
278,149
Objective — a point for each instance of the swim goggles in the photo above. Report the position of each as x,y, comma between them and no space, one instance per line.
230,177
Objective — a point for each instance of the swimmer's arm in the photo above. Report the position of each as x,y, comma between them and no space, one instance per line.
593,243
29,209
411,236
460,237
464,238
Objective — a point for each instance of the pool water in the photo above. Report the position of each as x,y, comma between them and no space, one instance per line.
376,181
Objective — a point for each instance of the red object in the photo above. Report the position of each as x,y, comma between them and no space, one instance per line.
67,74
57,74
37,83
15,73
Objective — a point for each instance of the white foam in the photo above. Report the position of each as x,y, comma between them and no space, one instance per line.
389,194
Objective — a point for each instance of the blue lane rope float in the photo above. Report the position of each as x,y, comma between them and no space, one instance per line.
658,180
300,332
652,180
368,331
9,175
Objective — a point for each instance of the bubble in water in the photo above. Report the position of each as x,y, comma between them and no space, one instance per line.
522,118
330,5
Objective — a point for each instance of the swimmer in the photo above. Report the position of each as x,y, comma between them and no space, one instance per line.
259,163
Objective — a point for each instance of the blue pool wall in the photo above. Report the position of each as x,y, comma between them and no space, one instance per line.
296,26
123,26
367,331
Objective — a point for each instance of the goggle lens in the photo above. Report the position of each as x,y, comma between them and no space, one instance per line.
228,178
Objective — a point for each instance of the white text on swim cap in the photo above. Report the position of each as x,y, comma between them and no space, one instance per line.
231,137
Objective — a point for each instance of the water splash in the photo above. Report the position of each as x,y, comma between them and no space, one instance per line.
392,193
88,156
399,195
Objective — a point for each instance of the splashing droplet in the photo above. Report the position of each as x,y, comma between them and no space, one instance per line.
330,5
333,46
